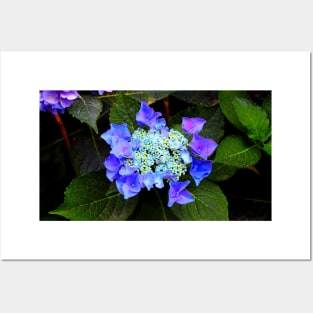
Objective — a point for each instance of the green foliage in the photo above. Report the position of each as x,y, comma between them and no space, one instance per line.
148,96
198,97
221,172
226,103
86,200
87,153
87,110
124,109
268,147
210,204
267,106
253,118
236,151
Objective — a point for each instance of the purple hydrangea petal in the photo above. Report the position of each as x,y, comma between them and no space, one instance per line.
69,94
200,169
121,148
51,96
55,101
66,102
146,115
177,193
192,125
202,147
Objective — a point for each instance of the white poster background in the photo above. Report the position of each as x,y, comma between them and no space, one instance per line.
286,237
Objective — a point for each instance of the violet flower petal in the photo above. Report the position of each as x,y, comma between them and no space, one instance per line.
202,147
192,125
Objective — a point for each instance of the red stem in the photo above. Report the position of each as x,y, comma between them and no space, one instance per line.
63,130
167,110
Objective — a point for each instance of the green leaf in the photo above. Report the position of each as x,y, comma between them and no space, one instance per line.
236,151
210,204
226,103
87,110
88,153
86,200
147,95
253,118
221,172
268,147
124,109
267,106
198,97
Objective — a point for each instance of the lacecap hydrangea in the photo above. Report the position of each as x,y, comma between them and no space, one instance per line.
154,154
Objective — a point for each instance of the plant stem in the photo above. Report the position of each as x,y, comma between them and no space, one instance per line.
63,131
161,203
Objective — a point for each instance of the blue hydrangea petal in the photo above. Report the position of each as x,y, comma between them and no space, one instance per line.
112,163
112,175
128,186
177,193
185,197
121,130
202,147
185,156
116,130
147,180
192,125
200,169
127,169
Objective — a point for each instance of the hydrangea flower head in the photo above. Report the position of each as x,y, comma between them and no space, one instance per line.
55,101
154,154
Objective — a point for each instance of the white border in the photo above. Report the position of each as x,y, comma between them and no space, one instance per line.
23,236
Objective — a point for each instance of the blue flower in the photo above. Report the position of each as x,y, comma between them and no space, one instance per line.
177,193
154,154
192,125
128,185
146,115
200,169
202,147
112,164
55,101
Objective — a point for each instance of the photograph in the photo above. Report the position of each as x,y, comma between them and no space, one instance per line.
155,155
